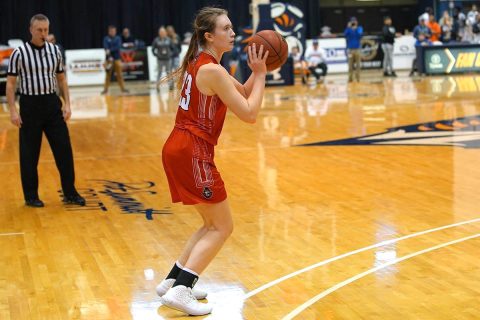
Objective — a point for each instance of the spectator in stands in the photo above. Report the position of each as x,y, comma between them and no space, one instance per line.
445,15
388,33
421,28
422,40
326,32
435,30
162,49
353,34
468,34
426,15
458,23
176,46
446,26
51,38
476,30
316,58
472,14
127,40
112,44
187,36
299,64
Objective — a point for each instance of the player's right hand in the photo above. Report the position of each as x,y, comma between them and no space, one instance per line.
256,60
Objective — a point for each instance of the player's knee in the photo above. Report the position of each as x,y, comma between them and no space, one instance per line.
226,229
206,226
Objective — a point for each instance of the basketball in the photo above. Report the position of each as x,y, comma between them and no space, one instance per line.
275,44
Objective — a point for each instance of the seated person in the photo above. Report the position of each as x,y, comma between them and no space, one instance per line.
316,58
422,40
127,40
299,64
422,28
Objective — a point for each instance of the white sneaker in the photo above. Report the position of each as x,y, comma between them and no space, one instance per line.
181,298
166,284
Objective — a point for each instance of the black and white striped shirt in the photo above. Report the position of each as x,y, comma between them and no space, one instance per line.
37,68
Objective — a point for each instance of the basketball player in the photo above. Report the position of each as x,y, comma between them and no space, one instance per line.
207,90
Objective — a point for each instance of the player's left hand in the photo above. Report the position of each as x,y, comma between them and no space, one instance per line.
257,60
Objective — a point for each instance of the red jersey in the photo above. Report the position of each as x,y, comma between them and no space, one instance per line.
189,150
198,113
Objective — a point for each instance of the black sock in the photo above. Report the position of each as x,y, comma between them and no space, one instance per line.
175,271
186,278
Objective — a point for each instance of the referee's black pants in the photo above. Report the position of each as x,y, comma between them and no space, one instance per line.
44,114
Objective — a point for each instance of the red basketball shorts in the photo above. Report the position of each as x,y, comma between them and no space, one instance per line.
191,173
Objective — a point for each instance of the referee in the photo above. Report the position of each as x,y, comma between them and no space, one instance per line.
39,66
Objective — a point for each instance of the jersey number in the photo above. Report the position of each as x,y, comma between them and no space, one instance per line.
186,88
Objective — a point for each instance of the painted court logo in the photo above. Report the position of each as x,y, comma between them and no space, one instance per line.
459,132
129,197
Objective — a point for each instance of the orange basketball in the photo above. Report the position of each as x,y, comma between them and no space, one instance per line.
275,44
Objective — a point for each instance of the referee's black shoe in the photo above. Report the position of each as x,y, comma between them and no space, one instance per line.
75,199
35,203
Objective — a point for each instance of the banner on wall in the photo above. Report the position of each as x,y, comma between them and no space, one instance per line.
287,20
279,77
85,67
282,76
372,53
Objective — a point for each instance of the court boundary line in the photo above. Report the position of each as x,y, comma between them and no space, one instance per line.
351,253
12,234
342,284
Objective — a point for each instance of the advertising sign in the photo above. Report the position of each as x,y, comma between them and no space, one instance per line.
403,52
85,67
337,60
372,53
452,60
134,64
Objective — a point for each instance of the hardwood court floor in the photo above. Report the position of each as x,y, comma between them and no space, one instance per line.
294,207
